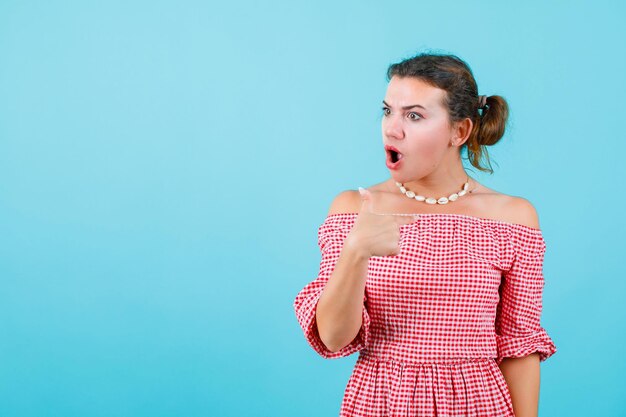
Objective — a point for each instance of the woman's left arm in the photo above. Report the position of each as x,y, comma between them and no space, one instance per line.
522,342
522,376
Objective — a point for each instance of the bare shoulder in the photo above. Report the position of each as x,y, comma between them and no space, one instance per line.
348,201
508,208
521,211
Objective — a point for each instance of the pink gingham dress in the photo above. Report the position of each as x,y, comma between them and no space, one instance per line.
463,293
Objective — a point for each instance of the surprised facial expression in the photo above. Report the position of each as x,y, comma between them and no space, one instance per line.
416,124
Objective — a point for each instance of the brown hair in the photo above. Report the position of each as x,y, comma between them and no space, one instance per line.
452,74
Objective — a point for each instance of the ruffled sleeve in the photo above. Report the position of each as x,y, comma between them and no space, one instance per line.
518,328
331,235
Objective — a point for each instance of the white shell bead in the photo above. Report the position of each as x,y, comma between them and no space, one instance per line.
431,200
462,193
410,194
420,198
442,200
403,190
453,197
466,186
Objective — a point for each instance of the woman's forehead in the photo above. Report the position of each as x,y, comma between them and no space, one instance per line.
406,91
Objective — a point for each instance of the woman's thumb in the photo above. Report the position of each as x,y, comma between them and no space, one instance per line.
366,199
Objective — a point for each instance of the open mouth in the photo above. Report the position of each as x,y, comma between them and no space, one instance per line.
394,156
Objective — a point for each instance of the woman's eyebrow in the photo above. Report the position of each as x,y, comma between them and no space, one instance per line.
406,107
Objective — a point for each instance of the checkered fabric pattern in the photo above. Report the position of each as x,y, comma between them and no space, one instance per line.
463,293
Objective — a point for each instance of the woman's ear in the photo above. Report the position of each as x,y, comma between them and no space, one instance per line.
461,131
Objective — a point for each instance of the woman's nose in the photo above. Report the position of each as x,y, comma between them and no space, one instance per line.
393,128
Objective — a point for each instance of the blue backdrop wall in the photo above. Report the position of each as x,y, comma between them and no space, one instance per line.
164,167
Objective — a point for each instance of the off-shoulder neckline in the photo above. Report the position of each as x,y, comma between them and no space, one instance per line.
457,215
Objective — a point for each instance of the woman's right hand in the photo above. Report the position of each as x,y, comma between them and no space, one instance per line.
375,234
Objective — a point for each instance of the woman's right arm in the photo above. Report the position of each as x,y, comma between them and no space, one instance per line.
339,312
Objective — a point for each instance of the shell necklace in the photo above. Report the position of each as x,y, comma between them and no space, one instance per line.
433,200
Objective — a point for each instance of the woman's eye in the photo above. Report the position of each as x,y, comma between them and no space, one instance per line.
387,111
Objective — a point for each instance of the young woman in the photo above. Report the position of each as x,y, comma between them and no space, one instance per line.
434,278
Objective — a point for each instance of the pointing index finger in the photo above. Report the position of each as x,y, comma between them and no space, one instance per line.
406,218
401,218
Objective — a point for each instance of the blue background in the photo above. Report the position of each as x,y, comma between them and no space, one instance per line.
164,167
